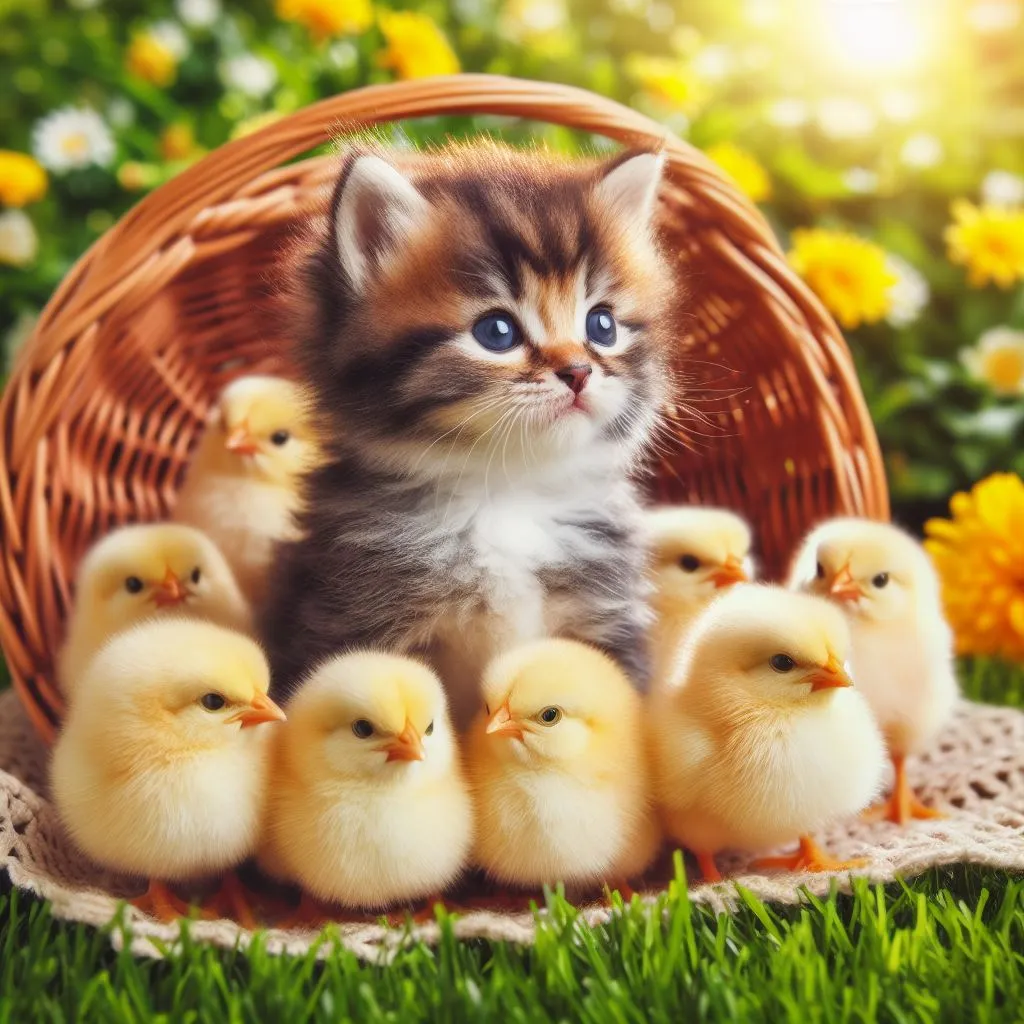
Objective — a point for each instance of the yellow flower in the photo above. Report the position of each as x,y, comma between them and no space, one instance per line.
989,241
417,48
979,554
22,179
178,142
151,60
667,81
133,176
998,360
540,25
744,170
849,274
326,18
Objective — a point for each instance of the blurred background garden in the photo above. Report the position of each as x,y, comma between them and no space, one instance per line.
883,139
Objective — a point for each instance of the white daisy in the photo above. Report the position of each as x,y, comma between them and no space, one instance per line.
171,36
908,295
70,138
1001,188
842,117
991,16
198,13
19,242
248,74
788,112
922,151
861,180
997,359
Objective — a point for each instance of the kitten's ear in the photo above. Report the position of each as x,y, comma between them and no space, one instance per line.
630,186
376,209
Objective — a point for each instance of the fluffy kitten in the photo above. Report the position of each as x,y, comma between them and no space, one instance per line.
485,335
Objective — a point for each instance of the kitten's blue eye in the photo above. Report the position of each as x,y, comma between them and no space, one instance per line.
497,332
601,326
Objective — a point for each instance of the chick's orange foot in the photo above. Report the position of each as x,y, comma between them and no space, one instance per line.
233,900
708,868
807,857
160,902
902,805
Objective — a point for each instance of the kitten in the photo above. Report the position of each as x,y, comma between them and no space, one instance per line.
485,336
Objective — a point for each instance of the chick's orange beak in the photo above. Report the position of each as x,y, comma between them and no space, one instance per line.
831,676
728,573
170,591
241,442
502,723
261,709
844,587
406,746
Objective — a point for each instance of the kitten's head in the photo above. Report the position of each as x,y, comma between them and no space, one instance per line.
489,301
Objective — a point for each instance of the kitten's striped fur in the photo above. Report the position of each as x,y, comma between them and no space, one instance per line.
468,505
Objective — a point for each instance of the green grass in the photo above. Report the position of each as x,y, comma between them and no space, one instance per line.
946,946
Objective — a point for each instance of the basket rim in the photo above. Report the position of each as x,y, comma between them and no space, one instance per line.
153,238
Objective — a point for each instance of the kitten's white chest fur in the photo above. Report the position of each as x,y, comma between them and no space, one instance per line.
510,538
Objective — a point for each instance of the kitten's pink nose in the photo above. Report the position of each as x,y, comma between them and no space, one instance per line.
575,376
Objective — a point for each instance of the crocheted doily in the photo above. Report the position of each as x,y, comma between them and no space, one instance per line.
975,773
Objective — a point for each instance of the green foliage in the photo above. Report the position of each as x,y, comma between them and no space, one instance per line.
842,157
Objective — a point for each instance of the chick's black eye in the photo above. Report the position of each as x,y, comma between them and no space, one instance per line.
133,585
196,575
782,663
820,571
429,731
881,580
497,332
279,437
550,716
212,701
601,329
362,728
689,563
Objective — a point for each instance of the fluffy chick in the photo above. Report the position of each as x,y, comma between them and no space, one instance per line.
137,572
369,805
760,739
902,654
559,770
694,554
158,770
243,485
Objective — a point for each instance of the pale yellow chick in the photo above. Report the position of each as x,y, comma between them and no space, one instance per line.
369,806
694,554
902,654
559,770
137,572
160,768
761,739
243,485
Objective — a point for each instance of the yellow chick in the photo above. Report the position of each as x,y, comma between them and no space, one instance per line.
902,654
694,554
369,806
158,770
559,770
136,572
243,484
760,738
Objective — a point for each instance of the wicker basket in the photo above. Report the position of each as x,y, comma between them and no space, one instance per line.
111,391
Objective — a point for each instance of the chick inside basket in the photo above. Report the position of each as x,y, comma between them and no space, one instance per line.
413,632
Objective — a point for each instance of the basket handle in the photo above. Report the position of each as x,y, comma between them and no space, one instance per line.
166,213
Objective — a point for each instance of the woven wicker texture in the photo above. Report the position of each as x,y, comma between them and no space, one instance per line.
975,772
111,391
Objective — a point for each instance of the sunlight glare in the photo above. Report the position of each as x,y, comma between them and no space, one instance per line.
879,36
